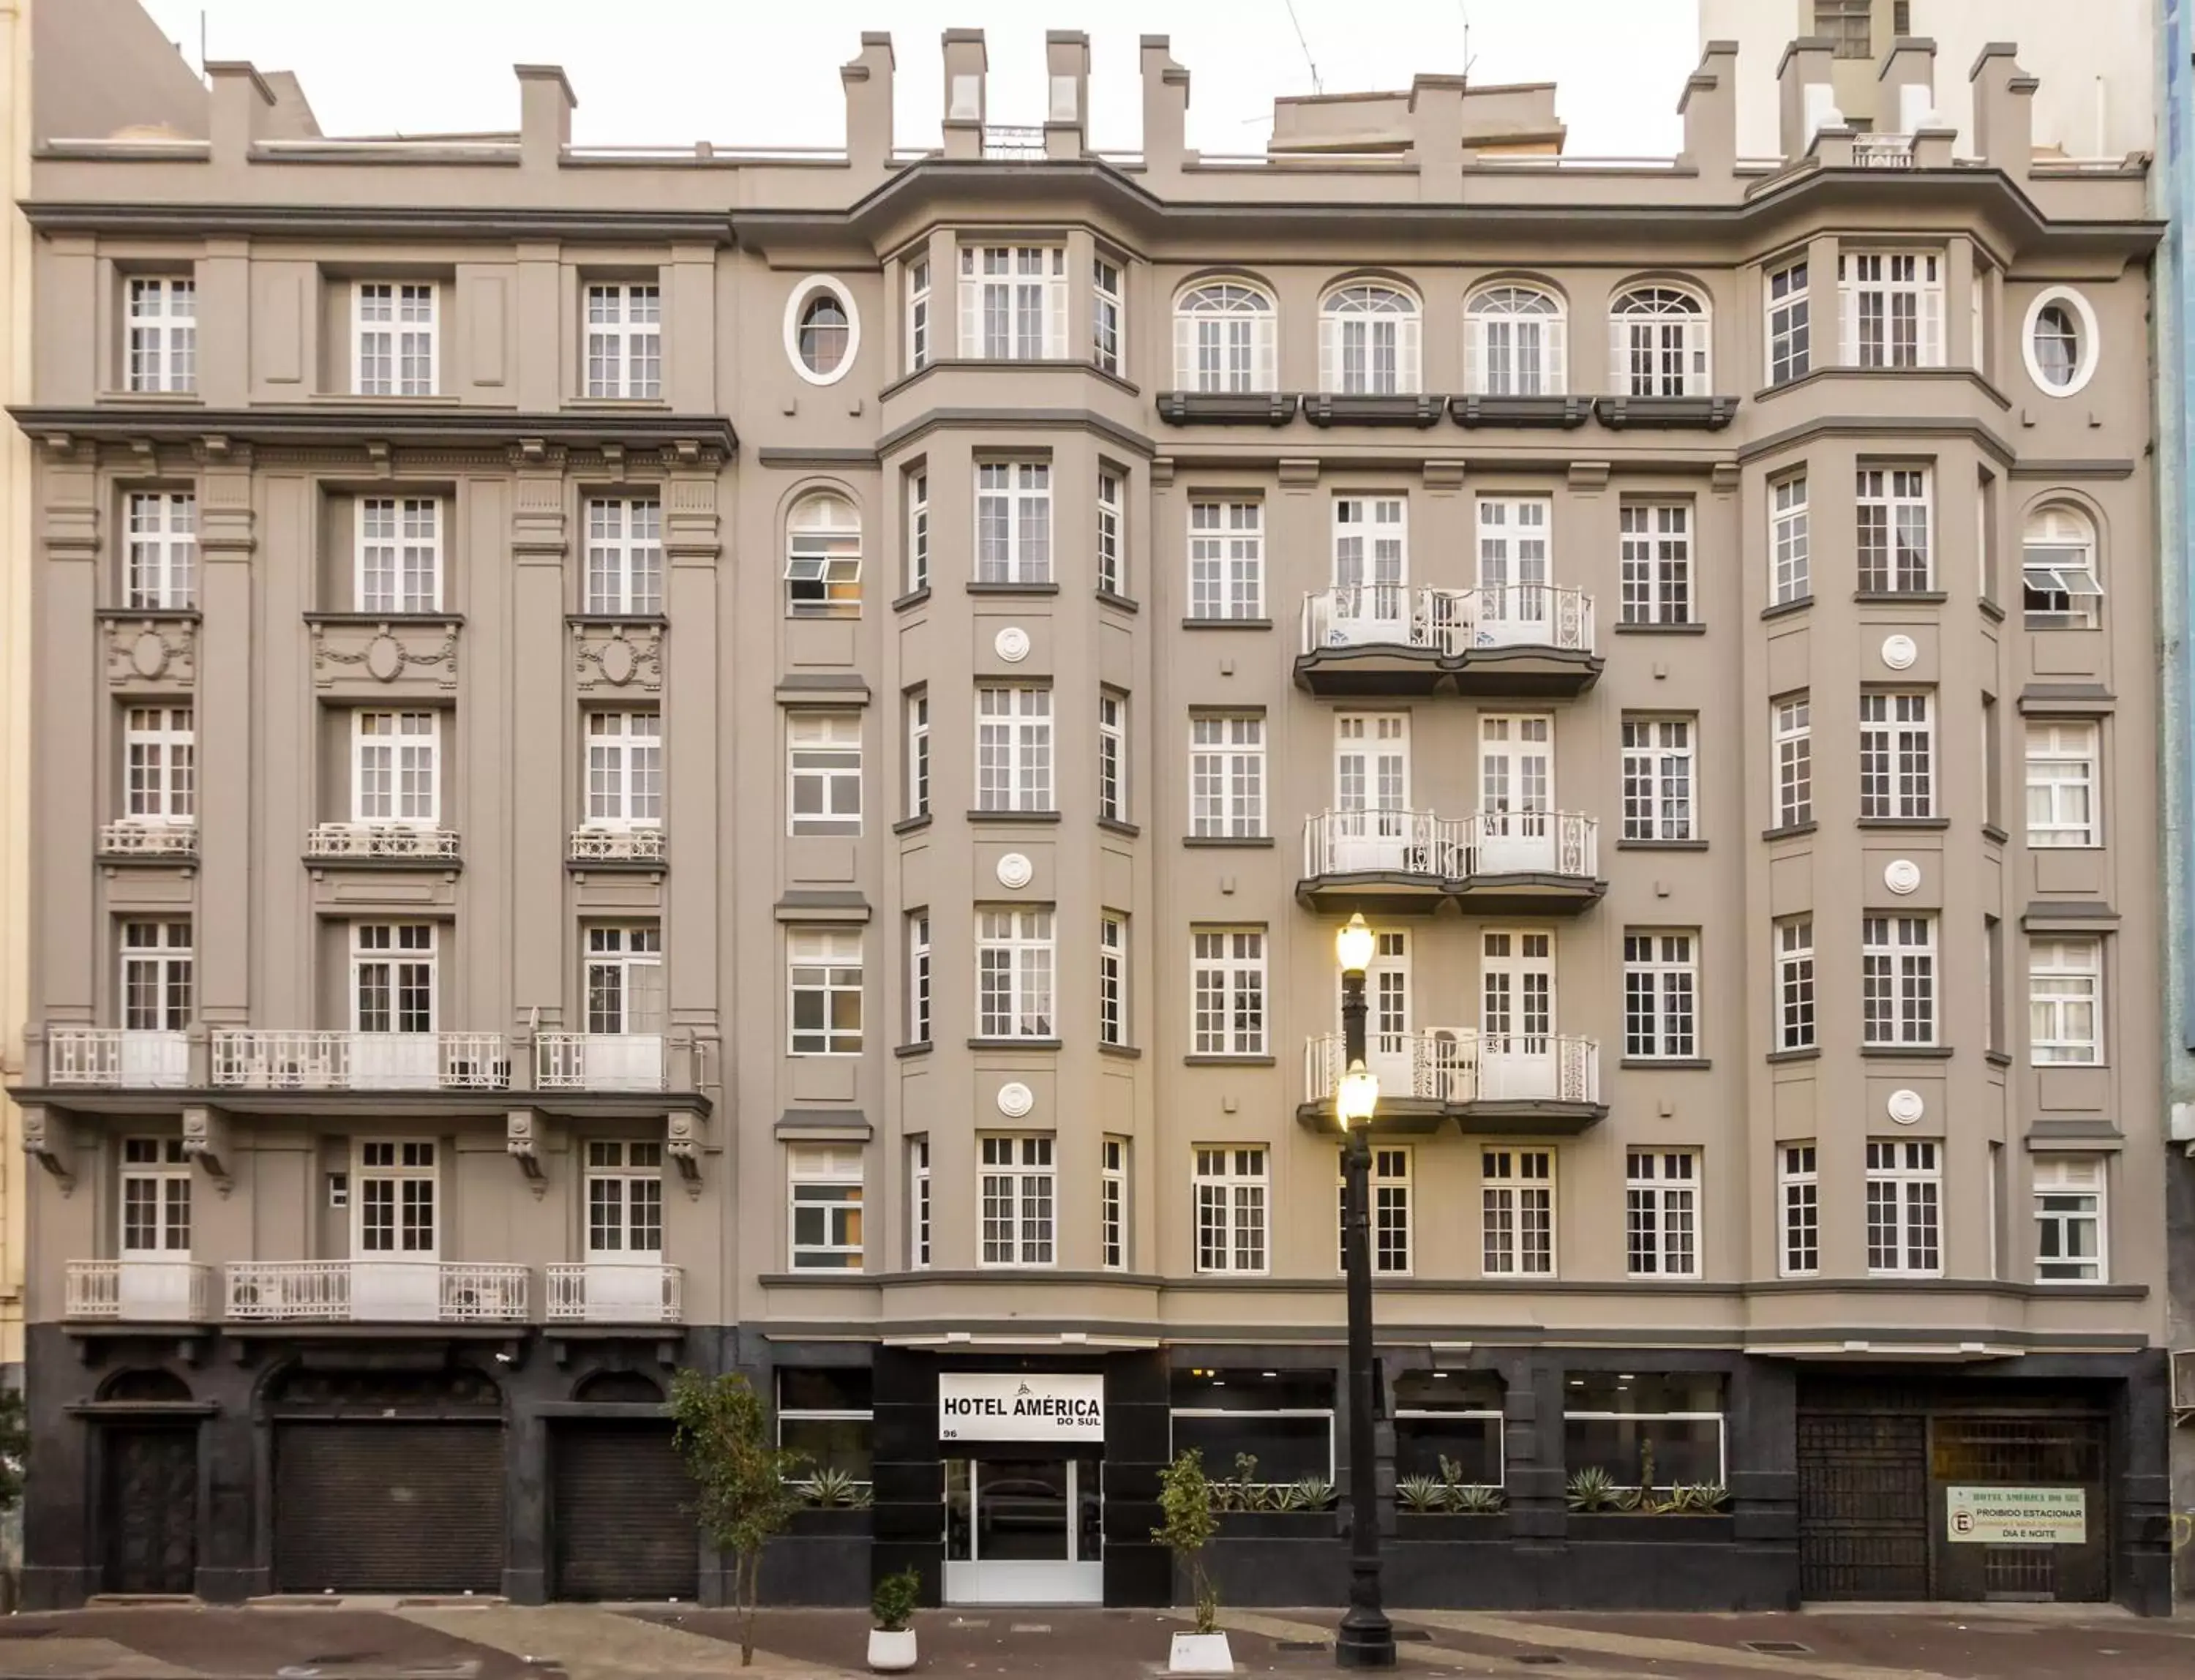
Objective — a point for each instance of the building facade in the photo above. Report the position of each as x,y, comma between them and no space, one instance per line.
648,760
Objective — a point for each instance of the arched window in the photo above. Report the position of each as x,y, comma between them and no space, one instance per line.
1514,343
2059,346
822,333
2059,586
1224,339
823,558
1657,344
1367,341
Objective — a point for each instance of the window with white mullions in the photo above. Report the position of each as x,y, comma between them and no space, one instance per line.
1014,970
1790,329
918,351
1794,983
1893,309
1905,1196
156,971
1661,995
1389,1233
1112,756
624,341
824,973
396,767
1798,1191
1112,978
2066,1000
1226,776
1017,1192
2070,1246
917,703
1517,1212
1013,521
917,977
1112,540
1894,535
919,1222
1657,778
159,764
1789,541
164,334
1661,1213
625,979
1792,736
2058,576
393,977
1657,562
825,1187
1514,343
1897,756
1898,979
1224,339
163,549
1232,1191
394,351
624,770
156,1198
823,773
1013,748
1013,303
396,1201
1105,314
823,559
1226,560
624,1198
1112,1203
1227,986
1371,559
1367,341
2062,761
918,532
624,555
1658,344
399,554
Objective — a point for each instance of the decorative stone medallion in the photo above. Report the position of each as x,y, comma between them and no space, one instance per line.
617,662
1013,644
1016,1100
148,654
1015,871
384,658
1901,875
1898,652
1905,1106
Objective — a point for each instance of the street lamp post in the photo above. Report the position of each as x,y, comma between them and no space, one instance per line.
1365,1639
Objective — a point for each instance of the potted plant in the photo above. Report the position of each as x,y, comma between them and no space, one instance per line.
891,1639
747,1493
1185,1504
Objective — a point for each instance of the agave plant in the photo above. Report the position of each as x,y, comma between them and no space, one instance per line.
828,1488
1421,1494
1592,1489
1698,1498
1476,1498
1314,1492
1287,1496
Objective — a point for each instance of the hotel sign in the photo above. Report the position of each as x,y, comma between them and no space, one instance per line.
1018,1406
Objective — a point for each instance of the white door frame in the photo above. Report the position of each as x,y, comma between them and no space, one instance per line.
1383,746
1071,1580
1514,825
1516,1048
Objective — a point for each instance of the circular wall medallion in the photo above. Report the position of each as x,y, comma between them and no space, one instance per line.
616,660
1016,1100
1015,871
384,658
1905,1106
1898,652
1901,875
148,654
1013,644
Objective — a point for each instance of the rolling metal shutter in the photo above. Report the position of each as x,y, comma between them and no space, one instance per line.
620,1516
388,1508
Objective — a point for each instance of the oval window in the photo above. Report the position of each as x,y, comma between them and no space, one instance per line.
2060,341
823,333
2057,345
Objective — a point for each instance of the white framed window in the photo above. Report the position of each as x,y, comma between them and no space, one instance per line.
1661,1213
824,1182
918,532
1790,327
392,976
1233,1195
1789,541
1517,1212
823,772
1897,755
1894,510
1368,341
1227,989
1799,1196
1224,336
1657,344
2070,1245
1112,538
1905,1199
1371,556
624,979
624,555
1226,775
2059,341
399,555
1014,969
1013,303
159,748
2062,763
1106,315
2066,1000
822,330
156,974
624,1198
1389,1233
396,768
156,1198
624,340
1661,995
917,701
1112,756
1013,521
918,1222
1013,748
396,1208
1794,983
1657,778
823,558
1892,303
1791,735
918,315
824,967
163,333
1112,978
2059,585
1112,1203
164,550
1227,560
1898,979
917,978
624,770
1514,343
1017,1194
1657,562
395,349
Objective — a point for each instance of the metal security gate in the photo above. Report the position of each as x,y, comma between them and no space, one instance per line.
397,1507
151,1511
2024,1451
1863,1505
623,1526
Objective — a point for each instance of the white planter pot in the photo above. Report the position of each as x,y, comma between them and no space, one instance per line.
889,1652
1201,1654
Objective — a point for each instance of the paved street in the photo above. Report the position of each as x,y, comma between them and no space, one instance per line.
355,1639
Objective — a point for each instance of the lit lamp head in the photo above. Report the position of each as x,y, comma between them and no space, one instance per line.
1358,1097
1353,946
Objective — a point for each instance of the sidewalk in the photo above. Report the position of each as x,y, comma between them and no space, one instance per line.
355,1639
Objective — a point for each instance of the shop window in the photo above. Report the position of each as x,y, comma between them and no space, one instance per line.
1645,1430
1451,1415
824,1413
1282,1419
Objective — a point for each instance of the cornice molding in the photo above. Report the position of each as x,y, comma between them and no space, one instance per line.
690,440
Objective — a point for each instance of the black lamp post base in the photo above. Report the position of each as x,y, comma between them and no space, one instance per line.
1368,1643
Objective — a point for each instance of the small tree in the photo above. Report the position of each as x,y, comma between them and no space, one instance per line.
14,1447
1185,1502
744,1481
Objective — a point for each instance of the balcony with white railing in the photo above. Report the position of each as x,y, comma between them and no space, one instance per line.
377,1290
617,1292
164,842
1535,863
117,1058
1387,639
1883,151
617,845
1521,1083
380,843
598,1061
138,1289
1381,860
305,1059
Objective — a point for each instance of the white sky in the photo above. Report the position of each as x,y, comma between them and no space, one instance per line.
765,72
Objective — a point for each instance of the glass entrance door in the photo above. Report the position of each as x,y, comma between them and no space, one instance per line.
1024,1531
